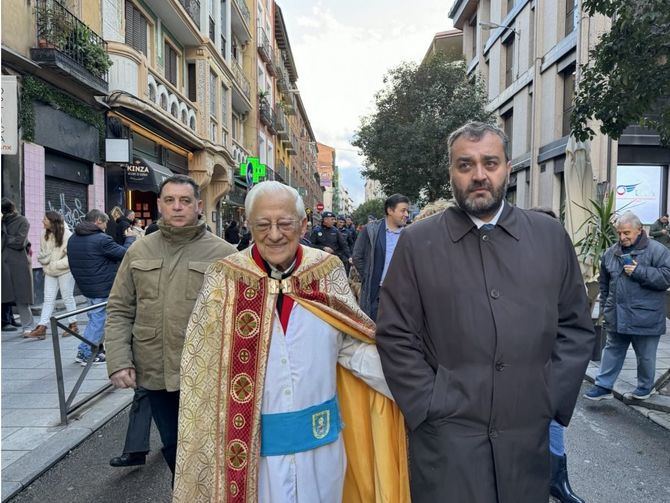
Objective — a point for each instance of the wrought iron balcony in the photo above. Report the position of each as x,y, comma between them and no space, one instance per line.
265,48
244,11
70,47
240,79
193,9
291,144
282,173
267,115
281,123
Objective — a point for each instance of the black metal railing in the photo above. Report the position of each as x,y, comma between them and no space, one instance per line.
58,28
244,10
267,114
264,47
193,9
66,404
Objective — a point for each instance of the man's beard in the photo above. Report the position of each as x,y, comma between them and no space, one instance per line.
481,206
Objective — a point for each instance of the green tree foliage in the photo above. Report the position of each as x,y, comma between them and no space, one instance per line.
373,207
628,79
404,139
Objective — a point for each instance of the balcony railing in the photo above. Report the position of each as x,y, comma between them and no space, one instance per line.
193,9
241,79
291,144
69,45
281,124
267,115
264,48
282,172
244,10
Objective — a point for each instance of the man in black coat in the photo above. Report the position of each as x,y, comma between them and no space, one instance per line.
484,335
94,258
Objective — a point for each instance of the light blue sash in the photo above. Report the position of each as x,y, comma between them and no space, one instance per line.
299,431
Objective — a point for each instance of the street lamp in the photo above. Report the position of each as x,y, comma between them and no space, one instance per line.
489,25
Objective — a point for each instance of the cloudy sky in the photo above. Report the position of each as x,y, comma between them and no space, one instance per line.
342,50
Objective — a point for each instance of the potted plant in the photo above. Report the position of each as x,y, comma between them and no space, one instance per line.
600,234
53,26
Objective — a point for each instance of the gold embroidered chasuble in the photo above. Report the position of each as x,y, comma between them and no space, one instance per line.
223,372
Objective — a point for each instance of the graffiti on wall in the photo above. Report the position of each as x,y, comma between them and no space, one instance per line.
72,216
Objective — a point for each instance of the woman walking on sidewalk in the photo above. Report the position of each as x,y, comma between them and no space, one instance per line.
57,275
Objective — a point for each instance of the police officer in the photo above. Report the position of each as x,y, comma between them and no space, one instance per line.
328,238
346,232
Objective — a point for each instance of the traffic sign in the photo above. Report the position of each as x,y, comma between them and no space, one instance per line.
319,206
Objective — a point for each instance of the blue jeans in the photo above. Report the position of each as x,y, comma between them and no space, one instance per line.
95,329
556,438
614,355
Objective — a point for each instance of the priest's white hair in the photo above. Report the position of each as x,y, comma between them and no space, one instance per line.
273,188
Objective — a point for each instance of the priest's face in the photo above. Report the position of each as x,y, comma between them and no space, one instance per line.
276,228
479,174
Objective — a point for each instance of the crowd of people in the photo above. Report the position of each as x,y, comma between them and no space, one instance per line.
437,361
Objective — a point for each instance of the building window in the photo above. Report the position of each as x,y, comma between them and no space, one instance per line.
236,127
170,57
508,127
136,28
262,153
569,16
184,117
213,126
224,105
212,93
508,46
568,99
510,5
174,110
473,31
192,94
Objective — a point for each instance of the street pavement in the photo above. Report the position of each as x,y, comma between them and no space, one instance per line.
32,437
613,445
615,455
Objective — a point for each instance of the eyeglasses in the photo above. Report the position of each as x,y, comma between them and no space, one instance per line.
284,226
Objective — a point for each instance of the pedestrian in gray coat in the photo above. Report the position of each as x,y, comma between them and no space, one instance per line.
17,273
634,277
484,335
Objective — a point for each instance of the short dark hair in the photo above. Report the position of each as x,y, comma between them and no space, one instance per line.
95,215
393,201
183,180
8,206
475,131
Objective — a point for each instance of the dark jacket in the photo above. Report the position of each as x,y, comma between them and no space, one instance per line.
484,337
17,273
232,233
122,224
366,258
94,259
656,232
331,237
635,305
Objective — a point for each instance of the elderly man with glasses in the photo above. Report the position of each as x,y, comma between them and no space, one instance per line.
277,358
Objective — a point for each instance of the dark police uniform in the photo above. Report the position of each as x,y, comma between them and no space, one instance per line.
333,238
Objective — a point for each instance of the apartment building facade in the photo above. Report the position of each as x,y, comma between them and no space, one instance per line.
530,55
326,167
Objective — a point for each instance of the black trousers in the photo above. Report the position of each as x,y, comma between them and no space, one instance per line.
138,434
165,411
7,317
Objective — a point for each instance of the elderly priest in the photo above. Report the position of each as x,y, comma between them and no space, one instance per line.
283,397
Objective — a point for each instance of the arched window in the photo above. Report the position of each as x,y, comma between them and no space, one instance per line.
184,117
192,123
174,111
164,102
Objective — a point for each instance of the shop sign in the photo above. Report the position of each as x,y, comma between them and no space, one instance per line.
252,171
8,115
638,189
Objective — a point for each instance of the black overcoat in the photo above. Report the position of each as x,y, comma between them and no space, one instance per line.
484,337
17,272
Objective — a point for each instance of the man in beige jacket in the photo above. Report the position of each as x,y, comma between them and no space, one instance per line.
152,299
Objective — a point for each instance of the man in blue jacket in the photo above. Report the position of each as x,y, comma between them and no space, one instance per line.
634,277
94,258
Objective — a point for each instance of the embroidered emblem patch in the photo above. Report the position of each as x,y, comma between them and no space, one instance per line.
250,293
239,421
244,355
247,324
237,454
233,488
321,424
242,389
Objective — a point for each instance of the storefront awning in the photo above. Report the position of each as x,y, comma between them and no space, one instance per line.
146,176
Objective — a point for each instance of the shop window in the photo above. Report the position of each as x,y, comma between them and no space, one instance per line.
136,28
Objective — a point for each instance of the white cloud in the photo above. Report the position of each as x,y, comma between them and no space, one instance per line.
342,59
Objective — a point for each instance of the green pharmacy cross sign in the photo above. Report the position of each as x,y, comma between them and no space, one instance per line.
252,170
